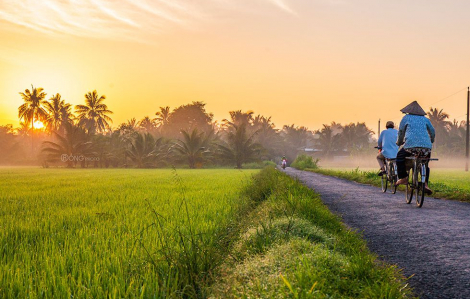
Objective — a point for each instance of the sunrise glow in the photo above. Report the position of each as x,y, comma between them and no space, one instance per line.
38,125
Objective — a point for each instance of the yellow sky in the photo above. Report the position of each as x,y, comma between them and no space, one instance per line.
306,62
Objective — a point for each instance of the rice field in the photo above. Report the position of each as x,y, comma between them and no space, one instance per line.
89,233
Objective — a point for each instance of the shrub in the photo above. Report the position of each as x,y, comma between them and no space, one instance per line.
305,161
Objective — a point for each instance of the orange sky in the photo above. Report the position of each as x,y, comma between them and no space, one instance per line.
306,62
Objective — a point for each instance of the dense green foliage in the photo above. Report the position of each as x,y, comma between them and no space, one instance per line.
292,246
68,233
305,161
450,184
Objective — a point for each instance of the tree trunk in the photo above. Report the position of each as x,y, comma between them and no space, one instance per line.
32,135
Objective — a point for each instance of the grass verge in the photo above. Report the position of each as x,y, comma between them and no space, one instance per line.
291,246
441,188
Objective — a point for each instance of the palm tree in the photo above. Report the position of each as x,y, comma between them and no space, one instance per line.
239,118
355,136
23,130
59,113
240,147
70,148
193,148
32,108
328,139
147,124
94,114
163,116
267,135
440,123
142,150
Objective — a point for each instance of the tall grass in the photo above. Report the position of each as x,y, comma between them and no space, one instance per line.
294,247
81,233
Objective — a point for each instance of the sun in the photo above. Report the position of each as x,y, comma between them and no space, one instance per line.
38,124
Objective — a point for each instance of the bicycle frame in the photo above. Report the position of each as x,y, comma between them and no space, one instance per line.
418,170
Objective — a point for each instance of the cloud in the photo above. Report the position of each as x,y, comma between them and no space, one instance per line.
281,4
116,19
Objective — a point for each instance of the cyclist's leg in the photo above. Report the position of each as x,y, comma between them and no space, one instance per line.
428,190
381,161
427,170
401,167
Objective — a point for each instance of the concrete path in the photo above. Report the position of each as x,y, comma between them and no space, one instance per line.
432,243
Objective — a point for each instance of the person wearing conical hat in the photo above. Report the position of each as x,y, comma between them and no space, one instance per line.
416,135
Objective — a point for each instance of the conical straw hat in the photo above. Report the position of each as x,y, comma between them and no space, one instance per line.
413,108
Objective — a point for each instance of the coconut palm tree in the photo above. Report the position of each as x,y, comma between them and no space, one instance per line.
32,109
239,147
355,136
142,150
267,136
163,116
194,148
94,114
23,130
148,124
239,118
72,147
440,123
328,139
59,113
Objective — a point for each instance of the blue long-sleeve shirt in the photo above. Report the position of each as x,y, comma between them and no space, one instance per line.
387,142
416,131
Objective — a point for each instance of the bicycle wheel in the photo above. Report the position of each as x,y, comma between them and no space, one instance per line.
409,187
384,182
393,184
420,183
394,178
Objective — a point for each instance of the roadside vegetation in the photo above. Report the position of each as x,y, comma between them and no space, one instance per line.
449,184
305,162
291,246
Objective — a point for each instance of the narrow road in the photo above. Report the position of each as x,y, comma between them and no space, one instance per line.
431,243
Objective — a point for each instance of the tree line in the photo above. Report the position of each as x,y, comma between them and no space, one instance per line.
83,136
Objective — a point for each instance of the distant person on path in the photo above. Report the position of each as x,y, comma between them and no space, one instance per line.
387,146
416,134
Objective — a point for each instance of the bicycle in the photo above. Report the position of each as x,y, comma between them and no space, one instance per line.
417,179
390,175
284,164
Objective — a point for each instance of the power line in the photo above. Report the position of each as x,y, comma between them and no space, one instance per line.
455,93
449,96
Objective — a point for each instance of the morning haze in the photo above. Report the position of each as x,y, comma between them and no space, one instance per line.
303,62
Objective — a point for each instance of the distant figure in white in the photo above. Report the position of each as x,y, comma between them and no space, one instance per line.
284,162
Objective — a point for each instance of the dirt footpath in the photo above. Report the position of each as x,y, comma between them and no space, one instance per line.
431,243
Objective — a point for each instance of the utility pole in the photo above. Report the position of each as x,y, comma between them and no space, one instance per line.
379,127
466,143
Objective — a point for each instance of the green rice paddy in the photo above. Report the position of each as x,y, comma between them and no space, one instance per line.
93,233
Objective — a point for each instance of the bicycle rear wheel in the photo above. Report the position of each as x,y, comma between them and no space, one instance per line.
384,182
393,175
409,187
420,182
393,184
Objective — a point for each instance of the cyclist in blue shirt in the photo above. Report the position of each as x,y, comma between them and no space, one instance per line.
387,146
416,134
